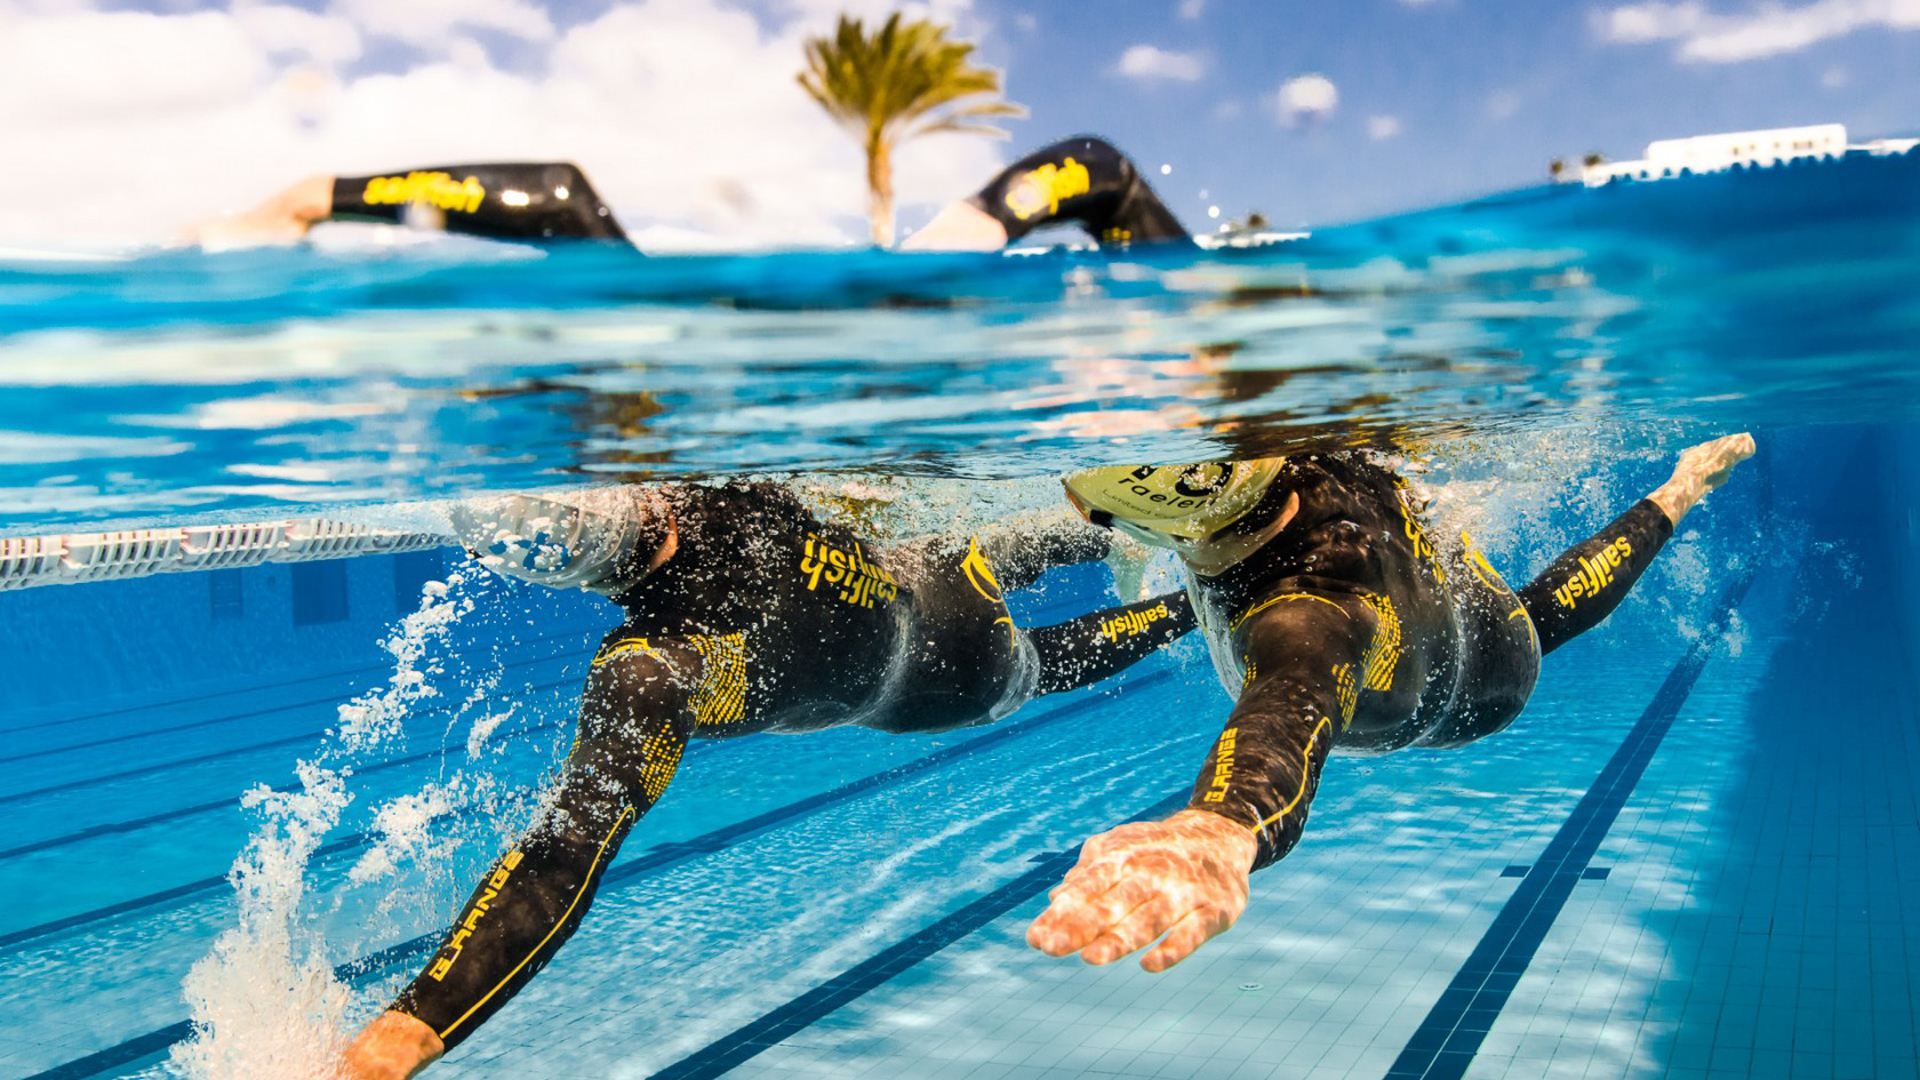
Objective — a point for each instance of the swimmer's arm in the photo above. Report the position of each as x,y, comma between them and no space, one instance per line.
1187,877
281,219
522,201
635,722
1304,657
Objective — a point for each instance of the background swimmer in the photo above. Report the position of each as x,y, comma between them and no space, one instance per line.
744,613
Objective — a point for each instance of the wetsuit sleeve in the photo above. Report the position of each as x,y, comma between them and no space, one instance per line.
1096,646
1083,180
635,720
504,202
1584,585
1307,654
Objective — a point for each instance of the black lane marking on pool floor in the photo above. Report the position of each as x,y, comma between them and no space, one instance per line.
618,877
344,693
1445,1042
749,1040
232,802
237,751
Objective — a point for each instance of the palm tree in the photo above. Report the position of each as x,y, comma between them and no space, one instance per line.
904,80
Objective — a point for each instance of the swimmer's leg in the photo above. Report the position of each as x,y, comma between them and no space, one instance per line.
636,717
1083,651
1584,585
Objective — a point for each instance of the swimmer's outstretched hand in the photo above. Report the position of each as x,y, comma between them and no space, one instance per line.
1700,469
1185,877
281,220
393,1047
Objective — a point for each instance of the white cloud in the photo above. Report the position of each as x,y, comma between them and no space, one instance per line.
1150,62
1306,98
210,114
1708,36
1192,9
1503,104
1380,128
427,22
279,29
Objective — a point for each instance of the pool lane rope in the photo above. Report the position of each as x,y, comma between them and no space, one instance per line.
77,558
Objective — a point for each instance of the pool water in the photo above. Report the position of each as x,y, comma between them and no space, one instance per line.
1693,855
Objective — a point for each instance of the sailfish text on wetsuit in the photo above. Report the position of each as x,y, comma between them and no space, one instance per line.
433,188
1594,574
1132,623
856,580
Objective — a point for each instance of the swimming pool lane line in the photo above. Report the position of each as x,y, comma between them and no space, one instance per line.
258,688
623,875
145,770
748,1041
131,824
1444,1045
170,897
94,831
330,699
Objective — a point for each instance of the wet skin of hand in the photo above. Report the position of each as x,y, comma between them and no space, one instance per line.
1185,877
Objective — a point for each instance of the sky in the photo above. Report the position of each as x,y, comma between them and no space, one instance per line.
127,120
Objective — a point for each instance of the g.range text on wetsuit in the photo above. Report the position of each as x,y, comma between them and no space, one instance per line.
1222,766
481,905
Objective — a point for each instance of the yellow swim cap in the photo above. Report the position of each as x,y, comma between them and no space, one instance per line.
1187,501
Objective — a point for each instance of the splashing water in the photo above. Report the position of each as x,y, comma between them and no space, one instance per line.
265,1001
372,719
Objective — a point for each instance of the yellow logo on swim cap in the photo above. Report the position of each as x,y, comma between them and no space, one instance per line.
1188,501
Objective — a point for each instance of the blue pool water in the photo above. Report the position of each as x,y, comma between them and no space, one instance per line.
1693,856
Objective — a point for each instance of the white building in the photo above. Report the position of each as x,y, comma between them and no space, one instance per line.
1669,158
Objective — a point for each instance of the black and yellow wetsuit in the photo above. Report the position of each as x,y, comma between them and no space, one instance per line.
519,201
1083,180
1347,625
767,619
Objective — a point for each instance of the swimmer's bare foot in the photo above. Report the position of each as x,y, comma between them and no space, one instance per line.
1185,877
393,1047
281,220
1700,469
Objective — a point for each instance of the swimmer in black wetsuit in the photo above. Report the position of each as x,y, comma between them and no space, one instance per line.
744,613
1080,181
1339,623
536,202
1083,180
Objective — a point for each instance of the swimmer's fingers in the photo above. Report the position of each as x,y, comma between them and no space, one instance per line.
1196,929
1077,915
1134,930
